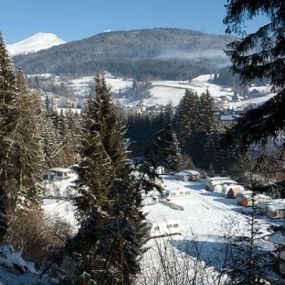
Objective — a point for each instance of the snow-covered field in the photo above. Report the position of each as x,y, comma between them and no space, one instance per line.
205,219
203,224
164,92
205,213
81,86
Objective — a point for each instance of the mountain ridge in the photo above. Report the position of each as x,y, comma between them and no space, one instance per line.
34,43
137,53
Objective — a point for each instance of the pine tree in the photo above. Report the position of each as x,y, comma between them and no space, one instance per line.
258,55
27,151
8,115
50,136
110,198
186,117
166,149
194,120
211,171
206,112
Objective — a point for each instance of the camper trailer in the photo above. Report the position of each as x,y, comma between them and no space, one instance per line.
247,198
216,184
231,190
276,209
164,228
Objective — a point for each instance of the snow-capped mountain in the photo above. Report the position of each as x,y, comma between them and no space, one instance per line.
35,43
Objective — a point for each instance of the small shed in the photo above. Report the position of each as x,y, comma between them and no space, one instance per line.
276,209
60,173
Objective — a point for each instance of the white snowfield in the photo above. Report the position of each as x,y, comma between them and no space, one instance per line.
81,86
164,92
35,43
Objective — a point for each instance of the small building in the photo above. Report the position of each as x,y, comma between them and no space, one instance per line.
276,209
60,173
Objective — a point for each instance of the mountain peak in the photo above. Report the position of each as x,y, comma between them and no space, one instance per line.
38,41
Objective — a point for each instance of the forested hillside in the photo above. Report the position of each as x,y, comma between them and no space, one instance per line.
165,53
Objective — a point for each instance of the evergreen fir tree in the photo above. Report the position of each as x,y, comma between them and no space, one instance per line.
8,114
27,151
258,56
166,150
206,112
110,198
211,171
49,133
186,119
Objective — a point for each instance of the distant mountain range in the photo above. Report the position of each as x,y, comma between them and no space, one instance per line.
161,53
35,43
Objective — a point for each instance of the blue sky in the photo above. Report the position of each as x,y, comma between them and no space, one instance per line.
77,19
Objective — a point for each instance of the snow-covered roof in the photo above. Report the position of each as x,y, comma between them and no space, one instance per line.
60,169
218,178
278,204
188,171
224,181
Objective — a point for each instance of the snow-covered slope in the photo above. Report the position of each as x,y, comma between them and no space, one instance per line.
35,43
14,270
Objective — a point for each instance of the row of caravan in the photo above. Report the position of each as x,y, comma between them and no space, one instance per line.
224,185
272,208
